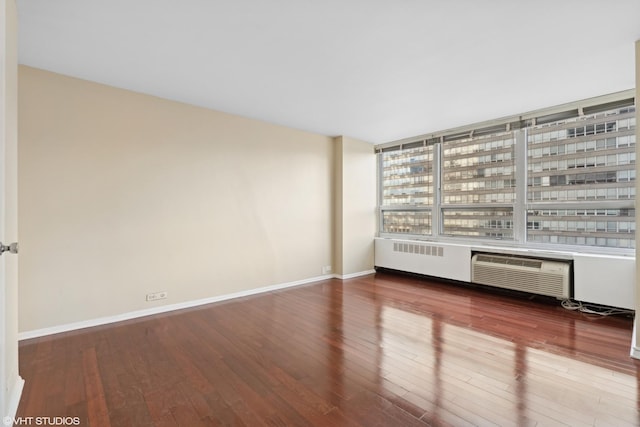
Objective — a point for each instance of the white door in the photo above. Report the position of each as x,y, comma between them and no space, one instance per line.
10,382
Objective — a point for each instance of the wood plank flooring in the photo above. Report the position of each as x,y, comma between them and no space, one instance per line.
380,350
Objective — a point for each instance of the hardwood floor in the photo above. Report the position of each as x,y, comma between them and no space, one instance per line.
381,350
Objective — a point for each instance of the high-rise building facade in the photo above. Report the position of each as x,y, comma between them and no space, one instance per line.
562,179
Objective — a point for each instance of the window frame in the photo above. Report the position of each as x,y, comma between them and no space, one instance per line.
519,128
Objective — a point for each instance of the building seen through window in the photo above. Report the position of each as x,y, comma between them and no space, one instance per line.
575,185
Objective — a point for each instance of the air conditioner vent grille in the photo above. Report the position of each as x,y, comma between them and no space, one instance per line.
418,249
510,261
543,277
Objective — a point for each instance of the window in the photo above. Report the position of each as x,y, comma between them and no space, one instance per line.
478,174
407,222
585,167
408,177
407,190
559,179
495,223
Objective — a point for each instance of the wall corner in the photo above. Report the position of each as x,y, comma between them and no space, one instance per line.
355,206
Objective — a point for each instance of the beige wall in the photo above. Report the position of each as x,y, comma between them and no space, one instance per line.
11,382
355,200
122,194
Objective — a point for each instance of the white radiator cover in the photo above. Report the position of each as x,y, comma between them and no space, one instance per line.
542,277
428,258
600,279
606,280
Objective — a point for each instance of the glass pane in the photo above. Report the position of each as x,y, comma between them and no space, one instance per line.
585,162
407,177
479,170
599,227
406,222
496,223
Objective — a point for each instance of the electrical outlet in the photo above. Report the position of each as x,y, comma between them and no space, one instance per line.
326,269
157,295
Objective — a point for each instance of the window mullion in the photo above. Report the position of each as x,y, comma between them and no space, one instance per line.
520,204
380,192
436,222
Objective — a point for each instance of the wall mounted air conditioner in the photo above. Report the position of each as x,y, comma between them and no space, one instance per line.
536,276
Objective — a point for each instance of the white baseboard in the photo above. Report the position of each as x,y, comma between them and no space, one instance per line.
635,350
14,399
353,275
162,309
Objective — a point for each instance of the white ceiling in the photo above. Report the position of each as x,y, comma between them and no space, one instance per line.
377,70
